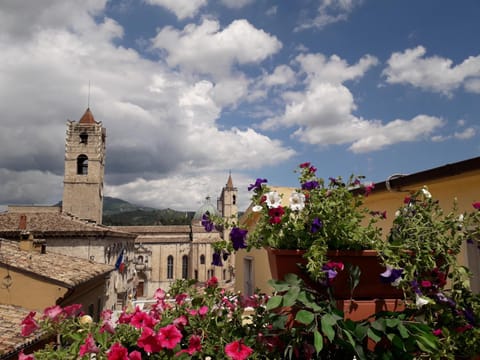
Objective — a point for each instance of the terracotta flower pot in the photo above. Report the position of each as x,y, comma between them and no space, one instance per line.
370,285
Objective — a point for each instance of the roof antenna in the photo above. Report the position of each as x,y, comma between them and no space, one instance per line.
88,98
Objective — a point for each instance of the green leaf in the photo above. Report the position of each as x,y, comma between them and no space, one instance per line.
317,341
291,296
391,323
305,317
373,335
327,322
274,302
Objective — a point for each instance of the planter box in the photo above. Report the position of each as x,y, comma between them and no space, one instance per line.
370,286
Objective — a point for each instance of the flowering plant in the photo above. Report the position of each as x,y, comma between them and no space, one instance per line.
318,216
294,323
189,323
421,258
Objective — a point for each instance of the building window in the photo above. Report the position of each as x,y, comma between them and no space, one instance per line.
140,259
184,267
84,138
82,165
202,259
234,199
170,267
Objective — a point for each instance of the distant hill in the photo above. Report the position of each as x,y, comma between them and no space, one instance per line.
117,212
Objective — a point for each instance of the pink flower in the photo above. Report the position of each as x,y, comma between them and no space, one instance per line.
437,332
135,355
169,336
72,310
52,312
203,310
141,320
117,352
29,325
194,345
369,188
426,283
89,346
22,356
181,321
476,205
148,341
160,294
237,350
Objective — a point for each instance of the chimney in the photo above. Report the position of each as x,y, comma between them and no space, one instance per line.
27,241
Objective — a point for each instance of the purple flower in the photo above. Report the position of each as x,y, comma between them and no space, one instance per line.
310,185
317,224
238,237
207,223
257,185
217,259
391,276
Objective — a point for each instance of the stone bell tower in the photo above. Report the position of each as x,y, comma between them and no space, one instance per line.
84,168
227,202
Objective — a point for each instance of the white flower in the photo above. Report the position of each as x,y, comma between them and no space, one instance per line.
297,201
257,208
86,319
421,301
273,199
397,213
426,193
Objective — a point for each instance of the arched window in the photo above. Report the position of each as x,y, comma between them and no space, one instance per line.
84,138
140,259
234,199
82,165
202,259
184,267
170,267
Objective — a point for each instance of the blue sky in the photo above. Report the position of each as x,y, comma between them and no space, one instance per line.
190,90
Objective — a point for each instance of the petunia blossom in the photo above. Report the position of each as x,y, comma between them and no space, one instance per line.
273,199
421,301
117,352
22,356
316,225
276,215
88,346
29,325
237,350
476,205
391,276
207,223
238,237
194,345
297,201
257,185
148,341
217,259
310,185
53,312
169,336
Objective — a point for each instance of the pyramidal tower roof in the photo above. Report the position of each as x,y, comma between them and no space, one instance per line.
87,118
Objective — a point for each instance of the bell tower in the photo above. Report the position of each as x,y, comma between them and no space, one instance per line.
227,202
84,168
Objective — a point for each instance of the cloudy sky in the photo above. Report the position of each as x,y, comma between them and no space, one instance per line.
190,90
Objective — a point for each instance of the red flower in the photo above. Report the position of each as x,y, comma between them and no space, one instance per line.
22,356
194,345
237,350
476,205
212,282
169,336
407,200
141,319
304,165
72,310
276,215
29,325
88,346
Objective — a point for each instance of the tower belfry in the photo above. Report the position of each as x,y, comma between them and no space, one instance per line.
84,168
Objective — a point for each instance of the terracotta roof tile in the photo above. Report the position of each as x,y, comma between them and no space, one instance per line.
87,118
50,223
11,340
69,271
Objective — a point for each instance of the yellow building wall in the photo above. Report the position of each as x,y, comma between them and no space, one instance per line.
32,294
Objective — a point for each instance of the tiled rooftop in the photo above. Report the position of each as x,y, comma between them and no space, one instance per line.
11,339
44,223
67,270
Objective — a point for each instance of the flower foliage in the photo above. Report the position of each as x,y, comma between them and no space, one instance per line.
317,216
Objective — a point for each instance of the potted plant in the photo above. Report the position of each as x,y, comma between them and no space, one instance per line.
319,221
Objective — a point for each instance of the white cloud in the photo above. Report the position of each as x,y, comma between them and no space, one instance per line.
207,49
329,12
465,134
282,75
181,8
432,73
